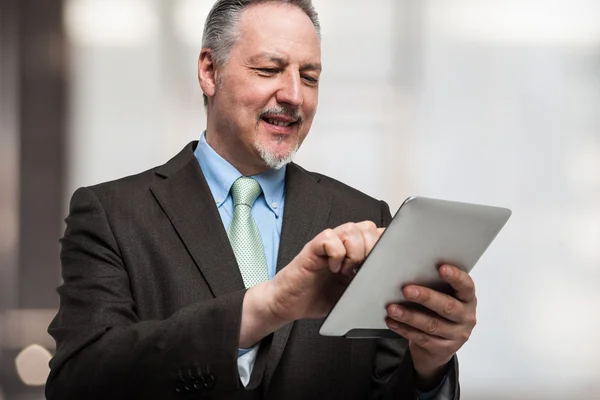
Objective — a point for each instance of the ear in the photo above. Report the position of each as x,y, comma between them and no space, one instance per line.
207,74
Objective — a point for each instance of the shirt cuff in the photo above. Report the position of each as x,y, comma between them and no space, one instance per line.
246,359
241,352
432,393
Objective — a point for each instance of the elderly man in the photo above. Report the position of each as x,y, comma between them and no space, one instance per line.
207,277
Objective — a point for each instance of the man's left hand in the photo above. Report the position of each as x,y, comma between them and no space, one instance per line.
434,337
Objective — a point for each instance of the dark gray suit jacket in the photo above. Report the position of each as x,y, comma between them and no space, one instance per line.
150,307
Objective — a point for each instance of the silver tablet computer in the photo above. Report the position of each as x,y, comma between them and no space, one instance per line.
424,234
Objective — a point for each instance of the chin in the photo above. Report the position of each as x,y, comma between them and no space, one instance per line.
276,155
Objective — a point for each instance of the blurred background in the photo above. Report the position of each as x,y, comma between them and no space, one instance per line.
486,101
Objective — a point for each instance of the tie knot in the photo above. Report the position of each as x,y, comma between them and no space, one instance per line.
245,191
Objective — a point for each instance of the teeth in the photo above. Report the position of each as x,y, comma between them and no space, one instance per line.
278,123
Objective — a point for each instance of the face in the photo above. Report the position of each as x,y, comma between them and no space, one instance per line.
264,99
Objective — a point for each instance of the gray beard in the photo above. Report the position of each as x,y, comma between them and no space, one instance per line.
271,159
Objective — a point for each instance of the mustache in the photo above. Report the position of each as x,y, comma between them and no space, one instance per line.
283,111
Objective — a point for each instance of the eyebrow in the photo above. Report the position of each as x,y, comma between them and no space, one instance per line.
282,62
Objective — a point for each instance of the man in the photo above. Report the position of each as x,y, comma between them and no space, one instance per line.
208,276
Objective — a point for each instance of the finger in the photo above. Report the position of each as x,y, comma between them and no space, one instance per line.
368,230
431,343
431,324
352,239
326,244
371,234
440,303
460,281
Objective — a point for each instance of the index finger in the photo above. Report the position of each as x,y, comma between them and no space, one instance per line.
460,281
327,245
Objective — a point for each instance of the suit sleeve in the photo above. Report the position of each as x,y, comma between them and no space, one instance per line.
393,374
104,350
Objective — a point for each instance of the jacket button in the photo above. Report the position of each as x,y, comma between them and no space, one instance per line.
209,381
189,386
197,385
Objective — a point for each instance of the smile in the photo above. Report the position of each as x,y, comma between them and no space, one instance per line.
278,123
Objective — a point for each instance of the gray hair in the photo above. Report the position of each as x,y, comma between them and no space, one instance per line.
220,30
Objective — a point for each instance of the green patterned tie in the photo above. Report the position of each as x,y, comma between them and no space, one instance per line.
244,235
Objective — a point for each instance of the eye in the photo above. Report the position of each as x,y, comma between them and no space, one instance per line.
267,71
310,79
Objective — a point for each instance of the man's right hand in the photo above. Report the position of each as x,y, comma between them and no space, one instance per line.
309,286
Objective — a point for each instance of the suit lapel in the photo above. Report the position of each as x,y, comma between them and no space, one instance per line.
185,197
306,213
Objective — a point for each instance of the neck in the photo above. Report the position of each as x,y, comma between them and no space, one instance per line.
235,154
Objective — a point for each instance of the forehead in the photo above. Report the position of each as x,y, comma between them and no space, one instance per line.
275,28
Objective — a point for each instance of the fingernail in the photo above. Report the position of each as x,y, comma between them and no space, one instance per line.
449,272
338,267
412,293
398,313
393,325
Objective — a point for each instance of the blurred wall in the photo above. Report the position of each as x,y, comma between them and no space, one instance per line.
32,146
488,101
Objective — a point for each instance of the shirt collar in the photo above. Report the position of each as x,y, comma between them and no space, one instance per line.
220,175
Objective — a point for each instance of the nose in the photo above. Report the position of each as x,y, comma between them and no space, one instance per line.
290,91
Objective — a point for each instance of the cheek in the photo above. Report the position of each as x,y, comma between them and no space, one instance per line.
311,100
252,94
309,110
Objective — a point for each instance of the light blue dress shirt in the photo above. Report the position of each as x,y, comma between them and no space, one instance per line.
268,207
268,213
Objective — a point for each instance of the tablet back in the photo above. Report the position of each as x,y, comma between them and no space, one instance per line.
424,234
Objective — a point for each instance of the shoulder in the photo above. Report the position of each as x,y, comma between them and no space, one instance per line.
351,203
136,189
340,189
127,185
